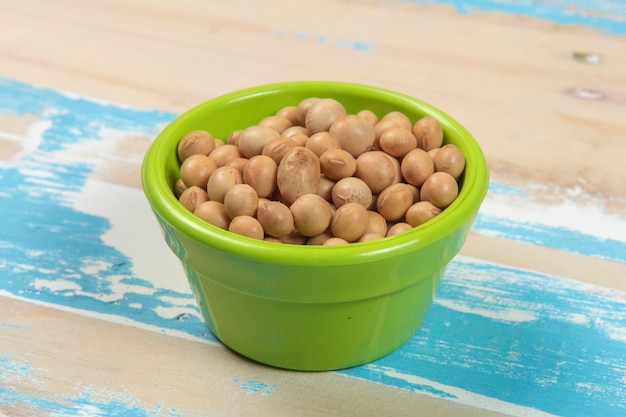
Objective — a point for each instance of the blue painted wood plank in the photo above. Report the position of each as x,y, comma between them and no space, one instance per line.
498,337
85,403
607,15
522,337
513,213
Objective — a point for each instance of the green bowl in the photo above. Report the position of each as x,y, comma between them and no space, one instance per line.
310,307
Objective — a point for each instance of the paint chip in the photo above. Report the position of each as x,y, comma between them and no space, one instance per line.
587,57
255,387
357,45
587,93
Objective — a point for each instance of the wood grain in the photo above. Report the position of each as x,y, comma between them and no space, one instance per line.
508,78
112,331
68,361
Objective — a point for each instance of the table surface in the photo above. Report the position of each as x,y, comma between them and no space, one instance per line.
96,316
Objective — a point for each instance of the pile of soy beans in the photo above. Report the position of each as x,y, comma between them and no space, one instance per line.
314,174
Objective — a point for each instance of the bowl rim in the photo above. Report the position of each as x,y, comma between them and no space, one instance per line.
163,202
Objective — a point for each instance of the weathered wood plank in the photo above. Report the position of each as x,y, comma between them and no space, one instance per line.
509,78
59,363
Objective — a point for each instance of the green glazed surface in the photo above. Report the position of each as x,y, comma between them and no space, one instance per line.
310,307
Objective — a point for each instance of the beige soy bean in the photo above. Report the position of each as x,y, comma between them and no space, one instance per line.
300,139
295,130
433,152
196,170
311,214
415,191
394,201
275,217
351,190
241,200
401,119
321,142
355,134
368,236
233,137
222,154
298,174
377,170
421,212
221,181
278,123
179,187
349,222
416,167
254,138
293,238
289,112
322,114
337,164
335,241
440,188
397,141
428,132
260,173
376,223
277,148
214,213
198,142
303,108
238,163
398,228
368,115
319,239
450,159
192,197
247,226
385,124
325,189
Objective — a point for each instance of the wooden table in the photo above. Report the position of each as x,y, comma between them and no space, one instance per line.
96,317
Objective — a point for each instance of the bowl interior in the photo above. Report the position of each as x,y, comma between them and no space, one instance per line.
244,108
